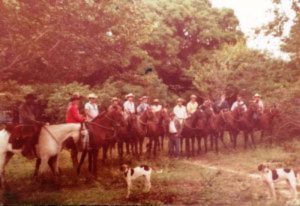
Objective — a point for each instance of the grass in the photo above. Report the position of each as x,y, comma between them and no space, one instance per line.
181,182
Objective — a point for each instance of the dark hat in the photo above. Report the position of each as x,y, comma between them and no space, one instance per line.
30,96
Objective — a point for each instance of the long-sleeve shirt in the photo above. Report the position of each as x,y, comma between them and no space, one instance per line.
191,107
156,108
26,114
91,111
142,107
237,104
73,115
180,112
129,107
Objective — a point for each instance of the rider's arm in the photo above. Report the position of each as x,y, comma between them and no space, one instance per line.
76,115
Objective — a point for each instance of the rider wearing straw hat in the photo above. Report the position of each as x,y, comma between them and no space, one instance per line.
258,101
156,107
129,107
91,107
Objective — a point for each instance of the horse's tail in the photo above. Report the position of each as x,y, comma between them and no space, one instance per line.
82,158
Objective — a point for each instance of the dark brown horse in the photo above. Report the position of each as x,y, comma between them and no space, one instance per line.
265,121
156,128
194,127
102,128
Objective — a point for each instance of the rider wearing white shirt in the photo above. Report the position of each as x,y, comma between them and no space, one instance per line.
91,108
180,111
239,103
156,107
128,105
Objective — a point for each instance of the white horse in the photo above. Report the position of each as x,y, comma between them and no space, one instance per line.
48,148
50,144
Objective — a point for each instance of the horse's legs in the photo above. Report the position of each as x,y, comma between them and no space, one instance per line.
205,142
74,154
37,167
252,139
246,139
193,145
127,147
81,161
181,145
155,146
221,137
216,138
162,142
187,146
90,160
95,157
120,149
262,136
51,163
105,150
211,141
199,143
141,142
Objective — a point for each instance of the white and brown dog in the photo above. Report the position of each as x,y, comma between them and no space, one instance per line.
271,176
133,173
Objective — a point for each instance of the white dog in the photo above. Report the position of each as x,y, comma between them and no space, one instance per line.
133,173
271,176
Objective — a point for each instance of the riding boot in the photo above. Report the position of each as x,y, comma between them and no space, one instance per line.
27,150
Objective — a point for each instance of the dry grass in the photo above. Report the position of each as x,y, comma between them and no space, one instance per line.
180,183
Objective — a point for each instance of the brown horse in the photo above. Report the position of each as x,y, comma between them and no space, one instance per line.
194,127
265,121
156,128
102,128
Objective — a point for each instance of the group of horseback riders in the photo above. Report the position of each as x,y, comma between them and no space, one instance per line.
28,115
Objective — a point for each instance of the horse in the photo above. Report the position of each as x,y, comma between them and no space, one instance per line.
265,121
103,127
50,143
192,127
155,128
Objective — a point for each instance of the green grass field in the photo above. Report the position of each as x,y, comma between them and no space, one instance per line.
183,181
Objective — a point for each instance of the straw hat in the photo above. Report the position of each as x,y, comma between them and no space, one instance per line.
156,100
257,95
144,97
92,96
114,99
180,100
129,95
193,96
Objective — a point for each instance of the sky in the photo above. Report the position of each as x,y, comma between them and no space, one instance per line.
253,14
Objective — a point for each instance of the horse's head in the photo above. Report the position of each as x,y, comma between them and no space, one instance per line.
274,110
196,116
115,113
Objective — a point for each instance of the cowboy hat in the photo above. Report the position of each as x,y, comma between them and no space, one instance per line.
156,100
114,99
193,96
180,100
144,97
75,96
92,96
257,95
30,96
129,95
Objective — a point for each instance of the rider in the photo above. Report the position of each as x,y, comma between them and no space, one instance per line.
156,107
259,106
129,107
73,116
221,104
239,103
143,105
91,107
192,106
114,102
27,117
180,111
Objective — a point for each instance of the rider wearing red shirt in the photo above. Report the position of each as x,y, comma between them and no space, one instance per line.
73,115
